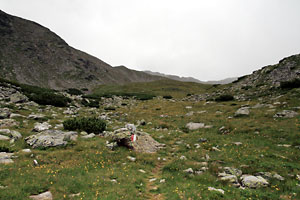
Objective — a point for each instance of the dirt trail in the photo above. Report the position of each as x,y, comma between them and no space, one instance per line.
152,187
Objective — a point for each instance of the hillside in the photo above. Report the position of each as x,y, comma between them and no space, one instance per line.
32,54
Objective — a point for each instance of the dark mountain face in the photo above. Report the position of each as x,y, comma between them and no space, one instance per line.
32,54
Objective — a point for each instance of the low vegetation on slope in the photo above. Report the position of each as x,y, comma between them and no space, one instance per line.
189,166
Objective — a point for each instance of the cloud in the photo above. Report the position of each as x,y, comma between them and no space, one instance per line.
206,39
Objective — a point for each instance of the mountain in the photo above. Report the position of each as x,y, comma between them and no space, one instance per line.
32,54
272,76
190,79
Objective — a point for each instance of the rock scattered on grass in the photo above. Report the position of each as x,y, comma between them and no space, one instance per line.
51,138
43,196
217,190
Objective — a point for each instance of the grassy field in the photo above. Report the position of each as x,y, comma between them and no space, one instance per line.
92,171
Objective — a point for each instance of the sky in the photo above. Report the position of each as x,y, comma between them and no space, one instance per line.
204,39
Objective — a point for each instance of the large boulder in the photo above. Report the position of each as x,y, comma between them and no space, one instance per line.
143,142
50,138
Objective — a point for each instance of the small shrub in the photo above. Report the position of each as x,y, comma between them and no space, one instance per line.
167,97
49,98
110,108
144,97
90,103
290,84
88,124
225,97
74,91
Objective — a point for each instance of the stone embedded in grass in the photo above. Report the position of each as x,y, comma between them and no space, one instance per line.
91,135
189,171
6,158
254,181
51,138
36,116
182,158
15,135
8,123
195,126
26,150
244,111
132,159
286,114
142,171
38,127
152,180
217,190
5,131
18,98
4,113
3,137
43,196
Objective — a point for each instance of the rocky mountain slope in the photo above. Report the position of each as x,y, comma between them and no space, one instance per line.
272,76
32,54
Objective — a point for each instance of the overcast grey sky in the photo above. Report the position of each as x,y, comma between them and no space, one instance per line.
205,39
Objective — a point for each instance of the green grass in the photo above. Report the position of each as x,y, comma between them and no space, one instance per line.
87,166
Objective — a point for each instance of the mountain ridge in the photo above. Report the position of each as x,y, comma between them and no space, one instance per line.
191,79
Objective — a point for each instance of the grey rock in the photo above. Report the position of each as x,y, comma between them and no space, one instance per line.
91,135
144,142
50,138
195,126
254,181
131,128
189,171
5,132
286,114
233,171
18,98
15,135
26,150
132,159
43,196
8,123
4,113
3,137
6,158
229,178
36,116
38,127
244,111
216,190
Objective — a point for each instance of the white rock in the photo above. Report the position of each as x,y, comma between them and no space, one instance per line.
189,170
26,150
133,159
91,135
217,190
43,196
195,126
38,127
3,137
